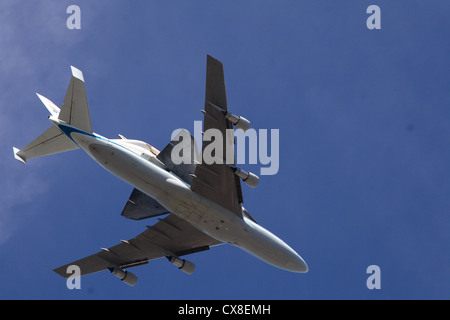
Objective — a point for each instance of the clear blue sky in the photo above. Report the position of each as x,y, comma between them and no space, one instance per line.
364,120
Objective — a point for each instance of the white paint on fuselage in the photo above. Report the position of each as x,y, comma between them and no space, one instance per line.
177,197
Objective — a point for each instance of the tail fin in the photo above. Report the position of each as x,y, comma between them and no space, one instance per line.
74,111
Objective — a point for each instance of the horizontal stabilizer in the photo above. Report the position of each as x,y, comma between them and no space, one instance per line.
51,141
140,206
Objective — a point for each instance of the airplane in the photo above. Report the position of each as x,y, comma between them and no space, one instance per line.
202,203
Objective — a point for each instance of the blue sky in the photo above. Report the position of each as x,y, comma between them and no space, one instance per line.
364,129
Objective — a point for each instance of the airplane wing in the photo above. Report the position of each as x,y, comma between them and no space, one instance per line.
140,206
171,236
217,182
183,170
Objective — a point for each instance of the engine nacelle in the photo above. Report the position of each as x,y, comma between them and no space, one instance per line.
182,264
127,277
249,178
238,121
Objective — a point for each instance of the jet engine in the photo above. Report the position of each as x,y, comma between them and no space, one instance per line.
182,264
127,277
238,121
249,178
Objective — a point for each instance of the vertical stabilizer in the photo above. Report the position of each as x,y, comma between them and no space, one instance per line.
74,110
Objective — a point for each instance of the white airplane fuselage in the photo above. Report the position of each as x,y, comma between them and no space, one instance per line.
177,197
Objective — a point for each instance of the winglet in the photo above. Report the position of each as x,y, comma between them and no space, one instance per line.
16,151
77,73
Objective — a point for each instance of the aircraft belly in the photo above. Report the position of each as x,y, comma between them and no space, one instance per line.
130,167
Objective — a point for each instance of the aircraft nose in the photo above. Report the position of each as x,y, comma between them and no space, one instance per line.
297,264
301,265
293,261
